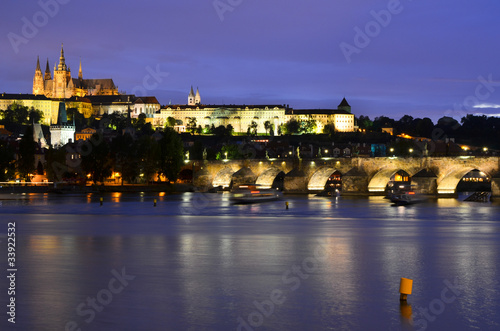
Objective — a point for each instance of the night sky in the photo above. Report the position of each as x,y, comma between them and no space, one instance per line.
420,57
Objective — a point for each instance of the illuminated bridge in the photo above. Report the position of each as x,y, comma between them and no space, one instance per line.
430,175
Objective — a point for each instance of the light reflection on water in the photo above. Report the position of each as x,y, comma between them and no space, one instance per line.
202,263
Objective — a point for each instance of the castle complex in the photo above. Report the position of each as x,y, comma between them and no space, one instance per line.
97,97
63,86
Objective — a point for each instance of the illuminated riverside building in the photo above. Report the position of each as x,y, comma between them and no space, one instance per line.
49,107
63,86
240,117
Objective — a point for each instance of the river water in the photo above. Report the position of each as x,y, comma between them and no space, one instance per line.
196,262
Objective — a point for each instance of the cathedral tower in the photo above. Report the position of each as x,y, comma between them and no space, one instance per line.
197,98
60,78
48,76
38,85
191,98
80,74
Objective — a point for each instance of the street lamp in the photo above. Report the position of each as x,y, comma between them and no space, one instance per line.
410,150
225,153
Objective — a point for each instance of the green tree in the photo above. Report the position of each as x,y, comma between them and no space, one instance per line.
27,149
98,162
56,164
139,122
171,121
35,116
329,129
364,122
148,156
171,154
16,113
191,126
125,159
308,126
267,126
424,127
7,161
232,150
291,127
252,128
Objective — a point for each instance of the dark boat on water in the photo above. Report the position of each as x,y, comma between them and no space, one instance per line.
253,193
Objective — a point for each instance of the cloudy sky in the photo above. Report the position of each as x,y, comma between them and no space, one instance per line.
387,57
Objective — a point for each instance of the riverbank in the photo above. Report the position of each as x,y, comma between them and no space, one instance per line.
64,188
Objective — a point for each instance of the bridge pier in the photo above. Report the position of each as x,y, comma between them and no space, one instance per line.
425,182
295,181
355,181
495,186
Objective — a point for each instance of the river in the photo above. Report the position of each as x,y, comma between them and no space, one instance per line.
196,262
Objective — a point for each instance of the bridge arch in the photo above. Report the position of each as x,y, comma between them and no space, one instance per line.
268,176
223,177
319,178
379,182
449,183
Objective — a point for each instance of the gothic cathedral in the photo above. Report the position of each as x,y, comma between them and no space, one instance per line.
62,86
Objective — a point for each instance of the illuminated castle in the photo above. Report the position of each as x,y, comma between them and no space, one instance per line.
63,86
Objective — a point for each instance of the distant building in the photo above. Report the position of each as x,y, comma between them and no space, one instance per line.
49,108
194,99
62,132
145,105
85,134
38,136
341,118
388,130
123,104
4,133
63,86
240,117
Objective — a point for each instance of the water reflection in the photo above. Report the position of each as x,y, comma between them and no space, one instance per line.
208,272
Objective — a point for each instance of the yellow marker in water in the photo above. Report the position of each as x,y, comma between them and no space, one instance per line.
405,287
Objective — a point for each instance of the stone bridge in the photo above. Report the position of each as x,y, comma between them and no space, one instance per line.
431,175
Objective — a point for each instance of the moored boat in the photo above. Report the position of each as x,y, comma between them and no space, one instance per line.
253,193
405,195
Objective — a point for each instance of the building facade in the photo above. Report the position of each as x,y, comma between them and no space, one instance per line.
62,132
240,117
63,86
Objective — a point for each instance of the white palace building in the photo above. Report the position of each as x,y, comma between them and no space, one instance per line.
242,116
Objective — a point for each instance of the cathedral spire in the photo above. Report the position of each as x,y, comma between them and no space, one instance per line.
47,71
197,98
80,75
38,64
191,97
62,61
